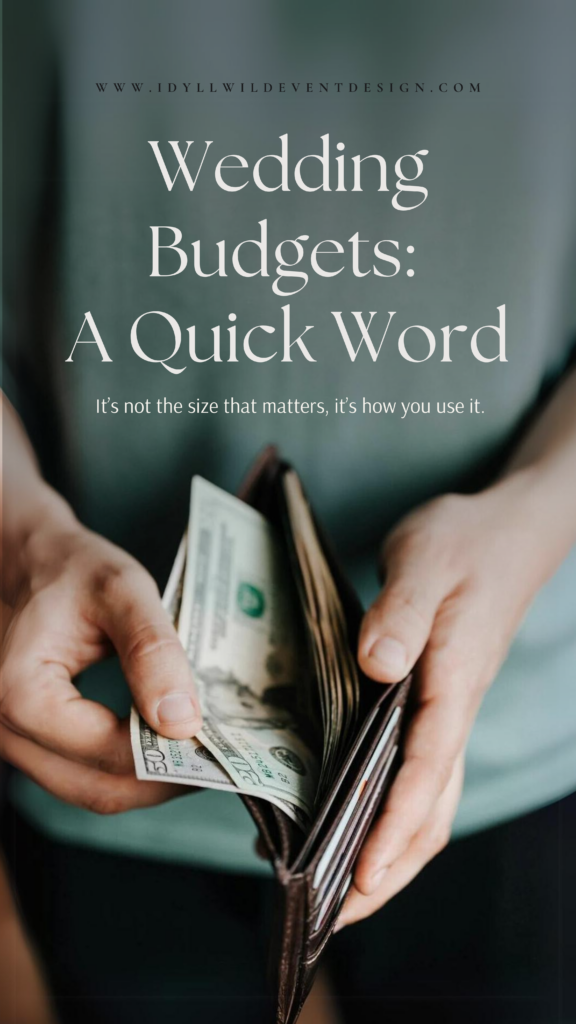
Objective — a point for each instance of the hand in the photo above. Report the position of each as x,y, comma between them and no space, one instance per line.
76,597
460,574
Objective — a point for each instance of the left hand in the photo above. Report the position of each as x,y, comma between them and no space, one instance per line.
460,574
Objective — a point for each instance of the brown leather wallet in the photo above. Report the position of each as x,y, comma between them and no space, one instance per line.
315,867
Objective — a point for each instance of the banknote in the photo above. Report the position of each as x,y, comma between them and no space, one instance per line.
172,596
184,761
237,621
239,627
188,763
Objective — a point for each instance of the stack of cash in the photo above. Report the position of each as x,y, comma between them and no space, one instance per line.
335,669
268,658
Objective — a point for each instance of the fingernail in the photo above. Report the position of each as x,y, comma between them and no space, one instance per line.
177,708
377,878
391,655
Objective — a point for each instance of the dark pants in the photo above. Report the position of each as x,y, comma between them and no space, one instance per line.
485,935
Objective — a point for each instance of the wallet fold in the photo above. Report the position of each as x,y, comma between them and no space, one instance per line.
314,870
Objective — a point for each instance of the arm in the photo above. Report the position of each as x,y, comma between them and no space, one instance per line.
72,597
448,604
22,991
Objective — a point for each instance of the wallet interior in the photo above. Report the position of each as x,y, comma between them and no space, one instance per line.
315,866
291,848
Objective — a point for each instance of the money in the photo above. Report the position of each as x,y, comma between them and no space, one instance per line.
238,624
183,761
336,672
172,596
233,599
189,763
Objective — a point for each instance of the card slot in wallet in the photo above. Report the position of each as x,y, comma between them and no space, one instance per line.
389,705
314,935
331,870
327,894
372,780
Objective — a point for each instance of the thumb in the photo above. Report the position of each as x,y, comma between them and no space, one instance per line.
397,626
151,654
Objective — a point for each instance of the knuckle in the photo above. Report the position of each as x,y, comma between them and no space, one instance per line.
444,771
450,661
112,763
10,708
109,580
114,580
405,603
397,543
416,533
448,506
104,802
430,532
149,640
23,706
437,841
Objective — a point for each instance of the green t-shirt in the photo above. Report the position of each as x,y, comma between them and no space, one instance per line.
497,227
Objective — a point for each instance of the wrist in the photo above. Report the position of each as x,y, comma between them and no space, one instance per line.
29,531
539,519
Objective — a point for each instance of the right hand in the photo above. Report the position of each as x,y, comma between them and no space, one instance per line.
74,598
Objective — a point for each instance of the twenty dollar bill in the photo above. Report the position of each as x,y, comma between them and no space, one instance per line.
236,622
